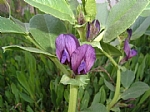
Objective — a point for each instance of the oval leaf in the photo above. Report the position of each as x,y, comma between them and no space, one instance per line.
136,90
127,78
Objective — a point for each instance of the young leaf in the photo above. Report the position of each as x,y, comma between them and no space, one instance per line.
90,8
58,8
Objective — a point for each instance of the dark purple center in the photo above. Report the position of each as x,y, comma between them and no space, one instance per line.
82,67
65,57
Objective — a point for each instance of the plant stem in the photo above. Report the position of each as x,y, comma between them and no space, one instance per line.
117,91
111,59
81,31
73,98
7,4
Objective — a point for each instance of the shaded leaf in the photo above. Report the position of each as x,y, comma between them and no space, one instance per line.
127,78
136,90
44,29
111,50
96,108
140,26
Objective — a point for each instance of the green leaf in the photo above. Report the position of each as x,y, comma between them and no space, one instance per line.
58,8
85,100
44,29
146,12
29,49
122,16
26,97
139,27
29,109
80,80
136,90
8,26
96,108
90,8
111,50
109,85
144,97
102,13
73,5
23,81
127,78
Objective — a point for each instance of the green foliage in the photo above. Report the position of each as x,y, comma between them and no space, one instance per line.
56,8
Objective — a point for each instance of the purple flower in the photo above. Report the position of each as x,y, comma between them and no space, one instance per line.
82,59
66,44
93,29
128,51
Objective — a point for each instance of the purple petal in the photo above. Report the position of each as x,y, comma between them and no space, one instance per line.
65,46
82,68
71,43
60,45
132,53
88,30
97,25
65,57
90,57
93,29
127,47
82,59
77,57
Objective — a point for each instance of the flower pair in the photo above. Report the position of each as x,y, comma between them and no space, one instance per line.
79,58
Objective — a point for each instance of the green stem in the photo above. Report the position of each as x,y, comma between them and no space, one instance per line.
32,40
73,98
8,7
81,31
117,91
111,59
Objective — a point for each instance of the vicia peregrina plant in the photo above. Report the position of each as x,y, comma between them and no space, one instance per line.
53,35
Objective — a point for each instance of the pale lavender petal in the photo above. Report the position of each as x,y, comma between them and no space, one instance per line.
90,57
77,57
71,43
97,25
93,29
127,47
65,57
60,45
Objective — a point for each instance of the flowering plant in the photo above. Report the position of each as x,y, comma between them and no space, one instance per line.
75,36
